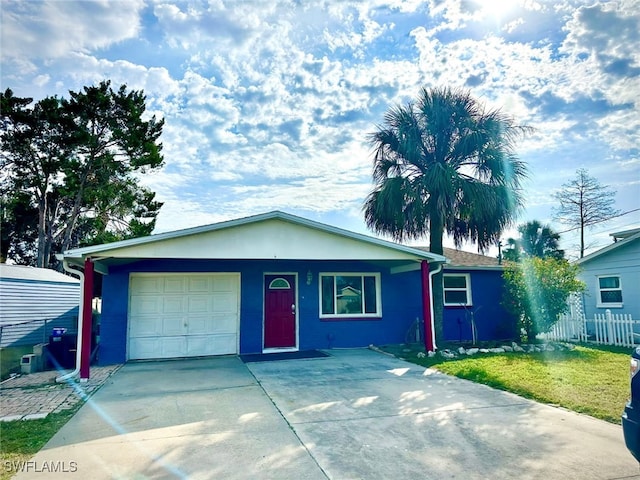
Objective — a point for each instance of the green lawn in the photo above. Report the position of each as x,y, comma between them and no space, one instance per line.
22,439
587,379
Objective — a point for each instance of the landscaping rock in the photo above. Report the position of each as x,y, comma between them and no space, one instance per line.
472,351
518,348
496,350
507,348
483,350
447,354
462,351
431,354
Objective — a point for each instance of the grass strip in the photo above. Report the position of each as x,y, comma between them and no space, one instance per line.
21,439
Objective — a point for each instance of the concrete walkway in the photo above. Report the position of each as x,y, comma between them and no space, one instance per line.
356,414
36,395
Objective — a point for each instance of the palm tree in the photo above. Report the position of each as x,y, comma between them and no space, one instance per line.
444,163
536,240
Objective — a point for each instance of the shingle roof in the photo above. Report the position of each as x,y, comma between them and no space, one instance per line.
460,258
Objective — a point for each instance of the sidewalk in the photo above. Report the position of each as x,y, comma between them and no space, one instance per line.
36,395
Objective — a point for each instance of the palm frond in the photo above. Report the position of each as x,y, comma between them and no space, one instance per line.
445,160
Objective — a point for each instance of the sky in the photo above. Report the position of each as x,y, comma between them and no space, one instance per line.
268,104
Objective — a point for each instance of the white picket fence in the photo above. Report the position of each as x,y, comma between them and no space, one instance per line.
604,329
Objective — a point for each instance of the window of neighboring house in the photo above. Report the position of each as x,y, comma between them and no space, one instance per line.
609,291
457,289
352,295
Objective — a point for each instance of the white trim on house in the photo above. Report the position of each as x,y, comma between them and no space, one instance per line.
599,289
378,312
273,235
466,289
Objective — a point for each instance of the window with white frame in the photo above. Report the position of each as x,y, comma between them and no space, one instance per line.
457,289
352,295
609,291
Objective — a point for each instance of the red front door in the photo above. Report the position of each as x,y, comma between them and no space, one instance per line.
279,311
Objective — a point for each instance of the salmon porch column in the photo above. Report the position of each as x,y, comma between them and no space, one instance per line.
426,307
87,320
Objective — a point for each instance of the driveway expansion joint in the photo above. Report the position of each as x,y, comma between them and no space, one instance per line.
291,427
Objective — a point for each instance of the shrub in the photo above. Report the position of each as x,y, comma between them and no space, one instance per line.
536,292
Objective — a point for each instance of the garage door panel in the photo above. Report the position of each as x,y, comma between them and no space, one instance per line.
173,347
174,284
225,284
202,345
224,302
201,325
173,305
198,304
146,326
172,326
142,305
144,285
175,315
212,344
224,323
225,344
145,347
199,284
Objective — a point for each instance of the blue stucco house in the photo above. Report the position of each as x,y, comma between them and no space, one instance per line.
612,277
267,283
473,295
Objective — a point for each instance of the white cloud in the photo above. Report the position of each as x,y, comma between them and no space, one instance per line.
50,29
268,104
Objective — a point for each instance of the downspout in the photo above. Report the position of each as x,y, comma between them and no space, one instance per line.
80,275
433,329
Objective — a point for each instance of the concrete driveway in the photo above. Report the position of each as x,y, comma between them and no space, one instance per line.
356,414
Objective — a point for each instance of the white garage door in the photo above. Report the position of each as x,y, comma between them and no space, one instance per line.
183,315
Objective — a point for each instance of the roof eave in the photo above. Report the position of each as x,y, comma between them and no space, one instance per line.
607,249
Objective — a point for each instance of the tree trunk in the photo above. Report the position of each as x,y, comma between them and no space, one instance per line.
581,225
42,237
436,232
75,211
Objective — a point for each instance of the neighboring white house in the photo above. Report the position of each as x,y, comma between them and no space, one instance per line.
612,277
33,301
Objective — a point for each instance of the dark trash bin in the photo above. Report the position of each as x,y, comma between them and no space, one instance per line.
62,349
